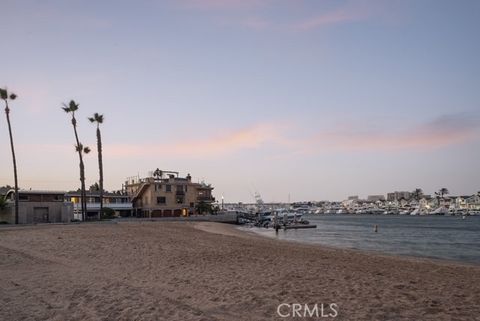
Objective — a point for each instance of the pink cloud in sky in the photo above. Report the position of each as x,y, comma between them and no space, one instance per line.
223,4
220,144
344,12
442,132
352,11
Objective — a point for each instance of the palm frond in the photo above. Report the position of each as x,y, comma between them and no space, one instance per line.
96,118
73,105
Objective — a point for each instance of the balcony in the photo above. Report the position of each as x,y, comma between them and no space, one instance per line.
113,206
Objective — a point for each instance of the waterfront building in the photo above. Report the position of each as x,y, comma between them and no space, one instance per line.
165,193
37,207
473,202
376,198
396,196
119,202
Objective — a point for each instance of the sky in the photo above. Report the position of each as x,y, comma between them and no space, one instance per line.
294,99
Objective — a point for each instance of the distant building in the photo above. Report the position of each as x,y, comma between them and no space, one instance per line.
396,196
118,202
375,198
473,202
164,193
37,207
353,198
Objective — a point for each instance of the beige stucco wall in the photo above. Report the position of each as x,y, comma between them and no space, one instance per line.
149,197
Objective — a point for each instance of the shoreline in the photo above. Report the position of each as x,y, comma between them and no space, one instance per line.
212,271
366,252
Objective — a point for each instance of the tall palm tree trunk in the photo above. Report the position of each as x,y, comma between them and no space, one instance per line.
83,203
100,168
83,192
7,112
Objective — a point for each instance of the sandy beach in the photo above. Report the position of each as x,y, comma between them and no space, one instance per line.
210,271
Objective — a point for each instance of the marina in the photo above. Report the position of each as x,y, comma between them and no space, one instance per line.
438,237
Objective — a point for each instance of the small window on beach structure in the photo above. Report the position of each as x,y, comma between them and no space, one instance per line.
158,187
161,200
168,188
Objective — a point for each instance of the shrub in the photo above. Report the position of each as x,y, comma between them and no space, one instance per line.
108,213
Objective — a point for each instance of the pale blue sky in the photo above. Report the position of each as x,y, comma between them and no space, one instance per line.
316,99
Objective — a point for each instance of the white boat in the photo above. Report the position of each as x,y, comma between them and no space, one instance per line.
440,211
282,215
416,211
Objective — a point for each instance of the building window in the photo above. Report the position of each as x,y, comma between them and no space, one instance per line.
179,188
161,200
192,204
158,187
168,188
180,199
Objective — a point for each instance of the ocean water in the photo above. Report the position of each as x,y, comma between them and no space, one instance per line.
439,237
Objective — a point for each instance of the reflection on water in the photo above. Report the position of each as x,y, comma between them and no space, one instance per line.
443,237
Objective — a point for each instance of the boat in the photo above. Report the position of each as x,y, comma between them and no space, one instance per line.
416,211
440,211
281,216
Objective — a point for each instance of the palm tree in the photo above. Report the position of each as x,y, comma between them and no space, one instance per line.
72,107
6,97
441,193
97,118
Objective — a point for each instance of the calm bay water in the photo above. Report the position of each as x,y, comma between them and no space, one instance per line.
441,237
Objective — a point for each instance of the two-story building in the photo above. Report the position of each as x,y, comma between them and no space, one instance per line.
165,193
118,202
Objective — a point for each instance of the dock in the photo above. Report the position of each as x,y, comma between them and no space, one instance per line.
298,226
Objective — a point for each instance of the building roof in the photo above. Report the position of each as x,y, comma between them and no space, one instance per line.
94,193
39,192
